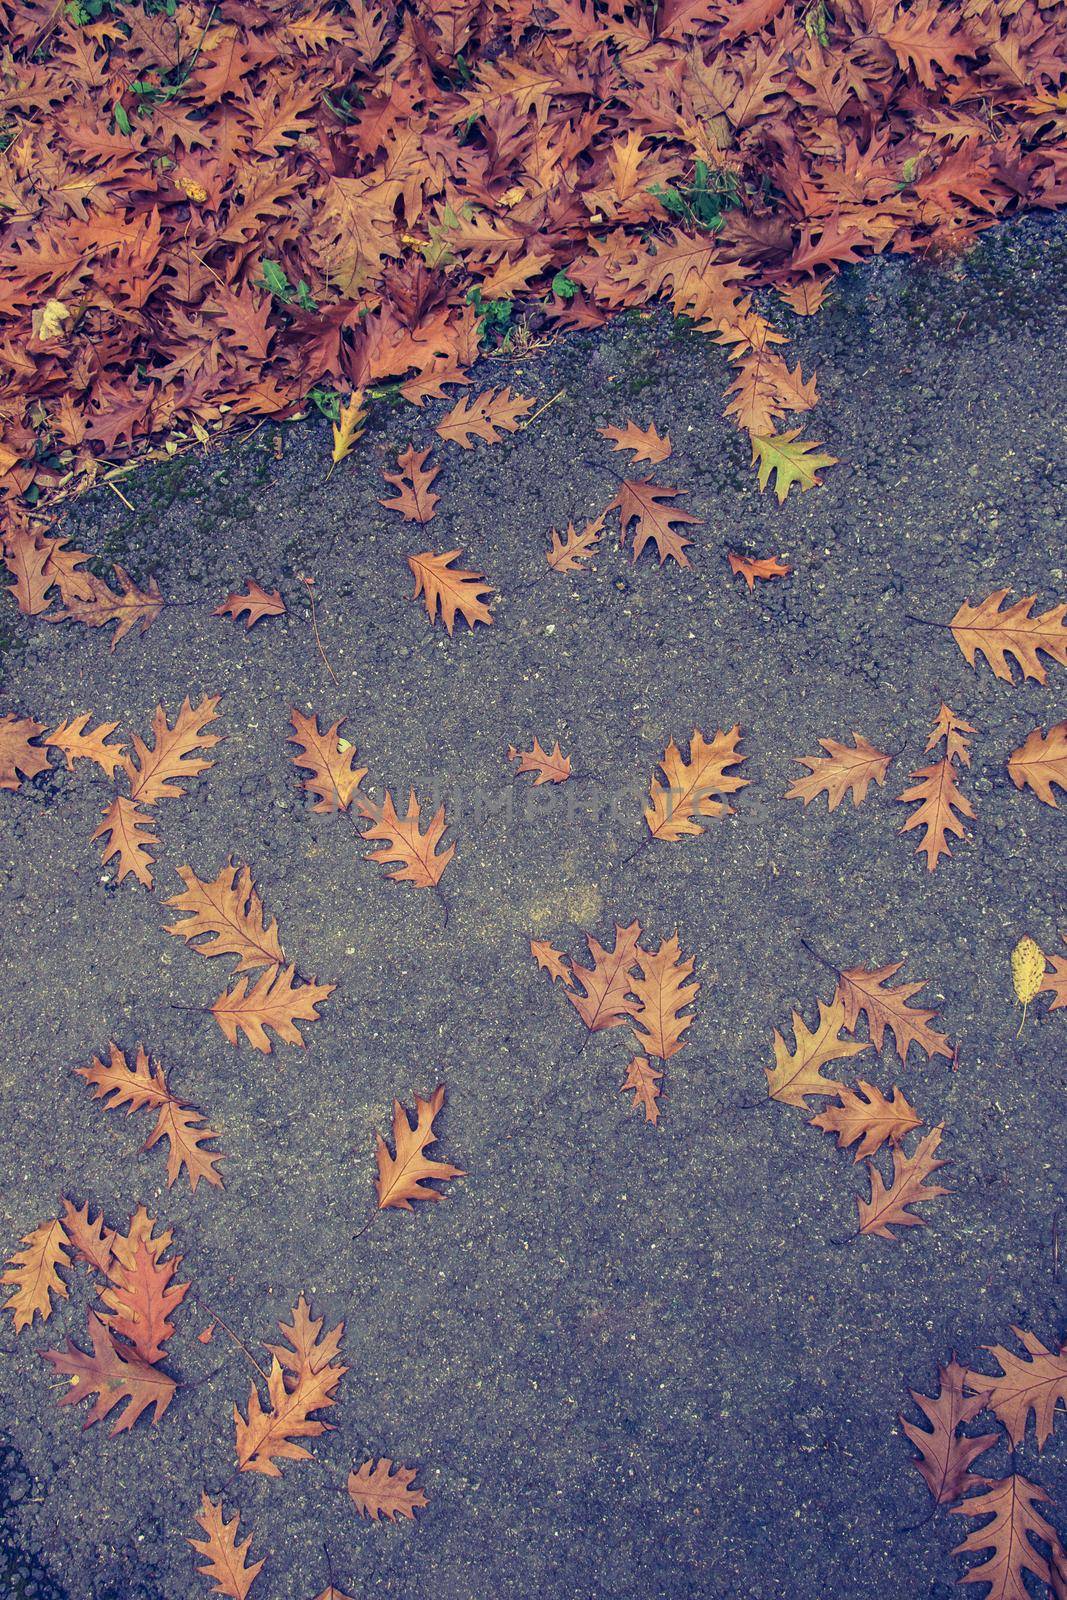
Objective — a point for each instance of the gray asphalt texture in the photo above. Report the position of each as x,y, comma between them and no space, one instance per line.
629,1362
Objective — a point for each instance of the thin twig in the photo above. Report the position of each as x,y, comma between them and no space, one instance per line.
540,410
227,1329
116,490
310,582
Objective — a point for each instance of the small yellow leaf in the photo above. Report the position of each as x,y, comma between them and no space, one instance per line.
48,320
1027,972
349,425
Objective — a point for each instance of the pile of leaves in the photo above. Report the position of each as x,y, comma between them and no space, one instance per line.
213,213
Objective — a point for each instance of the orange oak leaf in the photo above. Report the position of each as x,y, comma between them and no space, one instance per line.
378,1489
416,500
33,1274
753,567
331,761
1015,1522
129,608
154,770
662,990
649,505
144,1086
550,960
806,297
865,1115
302,1380
142,1230
141,1298
19,756
26,558
604,997
64,568
867,991
275,1001
402,1176
692,786
227,1563
127,831
797,1074
1041,761
887,1208
569,551
646,443
254,604
945,1456
845,769
552,767
483,418
226,914
938,794
77,744
450,588
1035,1382
91,1240
114,1375
643,1078
418,860
987,630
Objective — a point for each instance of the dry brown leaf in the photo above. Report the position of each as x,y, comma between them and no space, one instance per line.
32,1273
484,418
551,767
867,991
127,831
845,769
129,608
450,588
227,914
646,443
77,744
987,630
643,1078
335,778
1040,762
275,1001
91,1241
806,297
113,1374
227,1563
662,990
888,1208
26,558
402,1177
379,1489
550,960
568,552
1055,981
1035,1382
945,1456
797,1075
649,505
865,1115
693,786
19,756
154,770
937,790
254,604
752,567
417,859
603,996
302,1380
140,1299
142,1086
1015,1521
415,500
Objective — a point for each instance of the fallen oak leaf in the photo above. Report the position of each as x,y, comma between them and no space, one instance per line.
648,505
379,1489
450,588
938,792
1055,983
402,1176
114,1375
331,761
888,1208
154,770
603,994
254,604
646,443
996,634
752,567
1040,762
569,551
127,831
32,1273
552,767
92,1241
351,420
76,744
142,1086
643,1078
314,1372
866,991
26,558
129,608
945,1456
662,990
1015,1522
274,1002
20,757
791,459
482,418
227,915
1035,1382
141,1298
227,1562
798,1074
418,860
693,786
416,500
550,960
845,769
866,1116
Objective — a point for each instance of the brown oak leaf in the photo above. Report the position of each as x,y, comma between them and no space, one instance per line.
692,786
275,1001
140,1299
938,792
845,769
154,769
662,990
603,996
1036,1381
127,831
1055,981
113,1374
1015,1522
887,1208
331,761
551,960
1041,761
550,767
129,608
144,1086
568,552
945,1455
752,567
19,756
417,859
26,558
33,1273
450,588
78,744
91,1240
864,1114
867,991
402,1176
987,630
227,1563
649,505
254,604
378,1489
797,1074
646,443
643,1078
484,417
302,1380
226,914
416,500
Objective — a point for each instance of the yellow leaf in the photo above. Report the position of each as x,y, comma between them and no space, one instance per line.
349,425
48,320
1027,972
